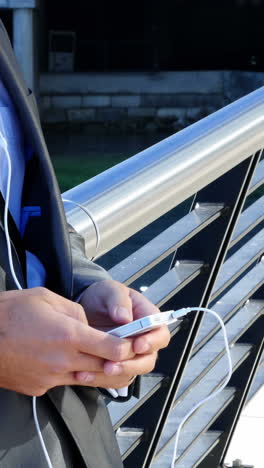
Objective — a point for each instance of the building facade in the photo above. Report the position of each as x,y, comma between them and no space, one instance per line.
107,61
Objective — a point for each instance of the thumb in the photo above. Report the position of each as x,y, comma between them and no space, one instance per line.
118,303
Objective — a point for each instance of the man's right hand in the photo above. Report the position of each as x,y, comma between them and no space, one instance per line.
45,339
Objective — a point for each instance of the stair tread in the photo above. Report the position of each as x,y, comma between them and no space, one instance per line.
118,412
203,388
258,381
127,438
250,217
237,263
215,346
198,423
175,279
229,301
257,177
165,243
201,445
200,448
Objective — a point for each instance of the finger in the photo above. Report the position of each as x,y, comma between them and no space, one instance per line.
100,380
62,305
152,341
58,372
141,305
73,378
97,343
73,310
55,301
118,302
87,363
83,365
138,366
116,375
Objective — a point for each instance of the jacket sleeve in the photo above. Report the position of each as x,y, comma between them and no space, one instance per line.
85,272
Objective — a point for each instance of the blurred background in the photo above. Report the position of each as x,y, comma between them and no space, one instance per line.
112,78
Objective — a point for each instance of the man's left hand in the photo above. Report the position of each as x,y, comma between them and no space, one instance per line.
109,304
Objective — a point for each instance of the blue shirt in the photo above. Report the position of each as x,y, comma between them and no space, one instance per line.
10,128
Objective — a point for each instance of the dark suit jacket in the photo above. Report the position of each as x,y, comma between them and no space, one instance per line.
74,421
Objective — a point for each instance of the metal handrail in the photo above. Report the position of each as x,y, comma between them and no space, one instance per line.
132,194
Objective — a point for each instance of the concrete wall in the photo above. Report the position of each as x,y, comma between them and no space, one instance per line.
111,97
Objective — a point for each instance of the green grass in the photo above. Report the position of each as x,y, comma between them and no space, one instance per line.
73,171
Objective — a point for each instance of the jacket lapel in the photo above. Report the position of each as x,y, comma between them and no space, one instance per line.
59,252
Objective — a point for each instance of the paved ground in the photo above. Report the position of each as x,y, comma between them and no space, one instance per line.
247,443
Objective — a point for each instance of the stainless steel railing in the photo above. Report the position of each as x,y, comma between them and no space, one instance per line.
129,196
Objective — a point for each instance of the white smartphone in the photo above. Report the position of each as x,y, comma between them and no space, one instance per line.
137,327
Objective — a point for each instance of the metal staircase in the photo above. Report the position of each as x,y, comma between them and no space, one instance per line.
214,254
206,368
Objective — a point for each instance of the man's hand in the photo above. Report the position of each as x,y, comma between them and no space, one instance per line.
108,304
45,340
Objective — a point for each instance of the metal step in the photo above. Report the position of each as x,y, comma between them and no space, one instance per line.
258,178
258,382
173,281
128,439
150,383
236,297
212,380
208,440
200,449
235,265
250,218
165,243
195,426
205,358
196,454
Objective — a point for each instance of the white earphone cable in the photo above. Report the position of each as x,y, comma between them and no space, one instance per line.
44,448
183,312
